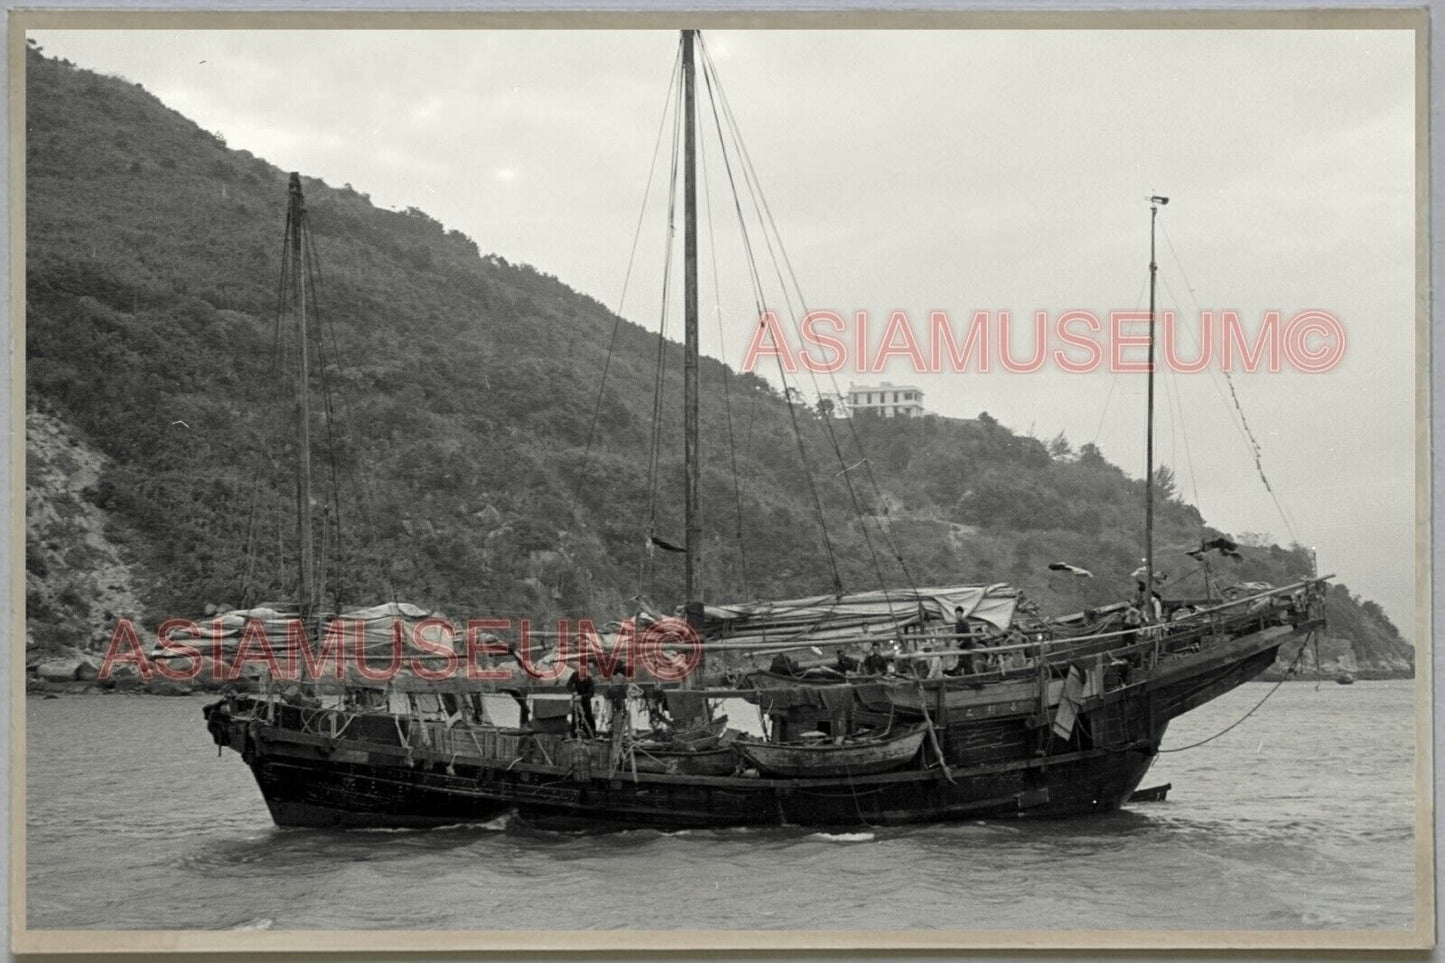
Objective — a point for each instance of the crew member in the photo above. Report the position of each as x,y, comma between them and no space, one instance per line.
875,663
1150,603
968,663
582,688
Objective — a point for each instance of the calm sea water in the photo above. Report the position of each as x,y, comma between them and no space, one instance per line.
1299,818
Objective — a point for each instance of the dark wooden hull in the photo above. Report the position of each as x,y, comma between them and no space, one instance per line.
993,765
320,793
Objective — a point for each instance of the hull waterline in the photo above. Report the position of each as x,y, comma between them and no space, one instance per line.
997,767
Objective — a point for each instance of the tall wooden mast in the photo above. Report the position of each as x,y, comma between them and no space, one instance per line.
306,590
693,527
1154,203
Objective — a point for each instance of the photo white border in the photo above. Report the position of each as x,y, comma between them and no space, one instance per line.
833,15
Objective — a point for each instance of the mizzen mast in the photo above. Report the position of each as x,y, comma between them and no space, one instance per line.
1155,203
306,589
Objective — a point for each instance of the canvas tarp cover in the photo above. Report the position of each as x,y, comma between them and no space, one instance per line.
878,614
225,635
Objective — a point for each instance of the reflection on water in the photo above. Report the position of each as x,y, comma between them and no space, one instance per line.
1300,818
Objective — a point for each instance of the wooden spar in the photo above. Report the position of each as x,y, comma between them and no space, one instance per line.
692,603
1043,696
1042,646
1148,599
785,645
693,530
305,589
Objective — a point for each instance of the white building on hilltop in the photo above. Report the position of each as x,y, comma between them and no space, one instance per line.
887,399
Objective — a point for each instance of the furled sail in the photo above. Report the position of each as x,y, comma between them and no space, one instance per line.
864,615
238,642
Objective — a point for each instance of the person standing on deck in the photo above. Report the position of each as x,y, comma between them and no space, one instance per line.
584,723
968,663
875,663
1150,603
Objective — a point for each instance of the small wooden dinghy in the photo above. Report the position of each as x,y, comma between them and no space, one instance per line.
856,756
704,750
683,761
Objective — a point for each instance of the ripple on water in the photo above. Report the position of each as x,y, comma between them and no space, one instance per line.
844,837
1297,830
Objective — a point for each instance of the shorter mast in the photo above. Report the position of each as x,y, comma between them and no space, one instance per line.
1154,204
306,589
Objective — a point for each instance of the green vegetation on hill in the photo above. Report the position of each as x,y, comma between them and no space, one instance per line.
464,389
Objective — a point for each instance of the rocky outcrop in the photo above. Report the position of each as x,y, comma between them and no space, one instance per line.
1333,655
77,579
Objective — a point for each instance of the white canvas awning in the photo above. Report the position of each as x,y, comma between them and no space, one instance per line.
879,614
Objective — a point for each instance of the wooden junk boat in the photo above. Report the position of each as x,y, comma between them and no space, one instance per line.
1072,727
984,709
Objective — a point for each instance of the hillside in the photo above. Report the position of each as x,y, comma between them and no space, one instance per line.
465,386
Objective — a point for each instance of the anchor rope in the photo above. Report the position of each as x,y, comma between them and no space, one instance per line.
1287,673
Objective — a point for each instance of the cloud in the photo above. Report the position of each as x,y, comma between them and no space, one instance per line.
925,169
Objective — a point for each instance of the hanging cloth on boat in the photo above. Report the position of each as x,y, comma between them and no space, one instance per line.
1093,679
683,705
836,699
1069,701
804,696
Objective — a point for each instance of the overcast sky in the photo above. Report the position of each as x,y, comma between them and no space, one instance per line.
952,170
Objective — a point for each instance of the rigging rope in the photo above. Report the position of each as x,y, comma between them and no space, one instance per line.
646,570
1250,439
1114,380
312,273
249,554
1188,452
709,78
1287,673
308,247
275,427
765,218
726,377
626,280
764,215
358,473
